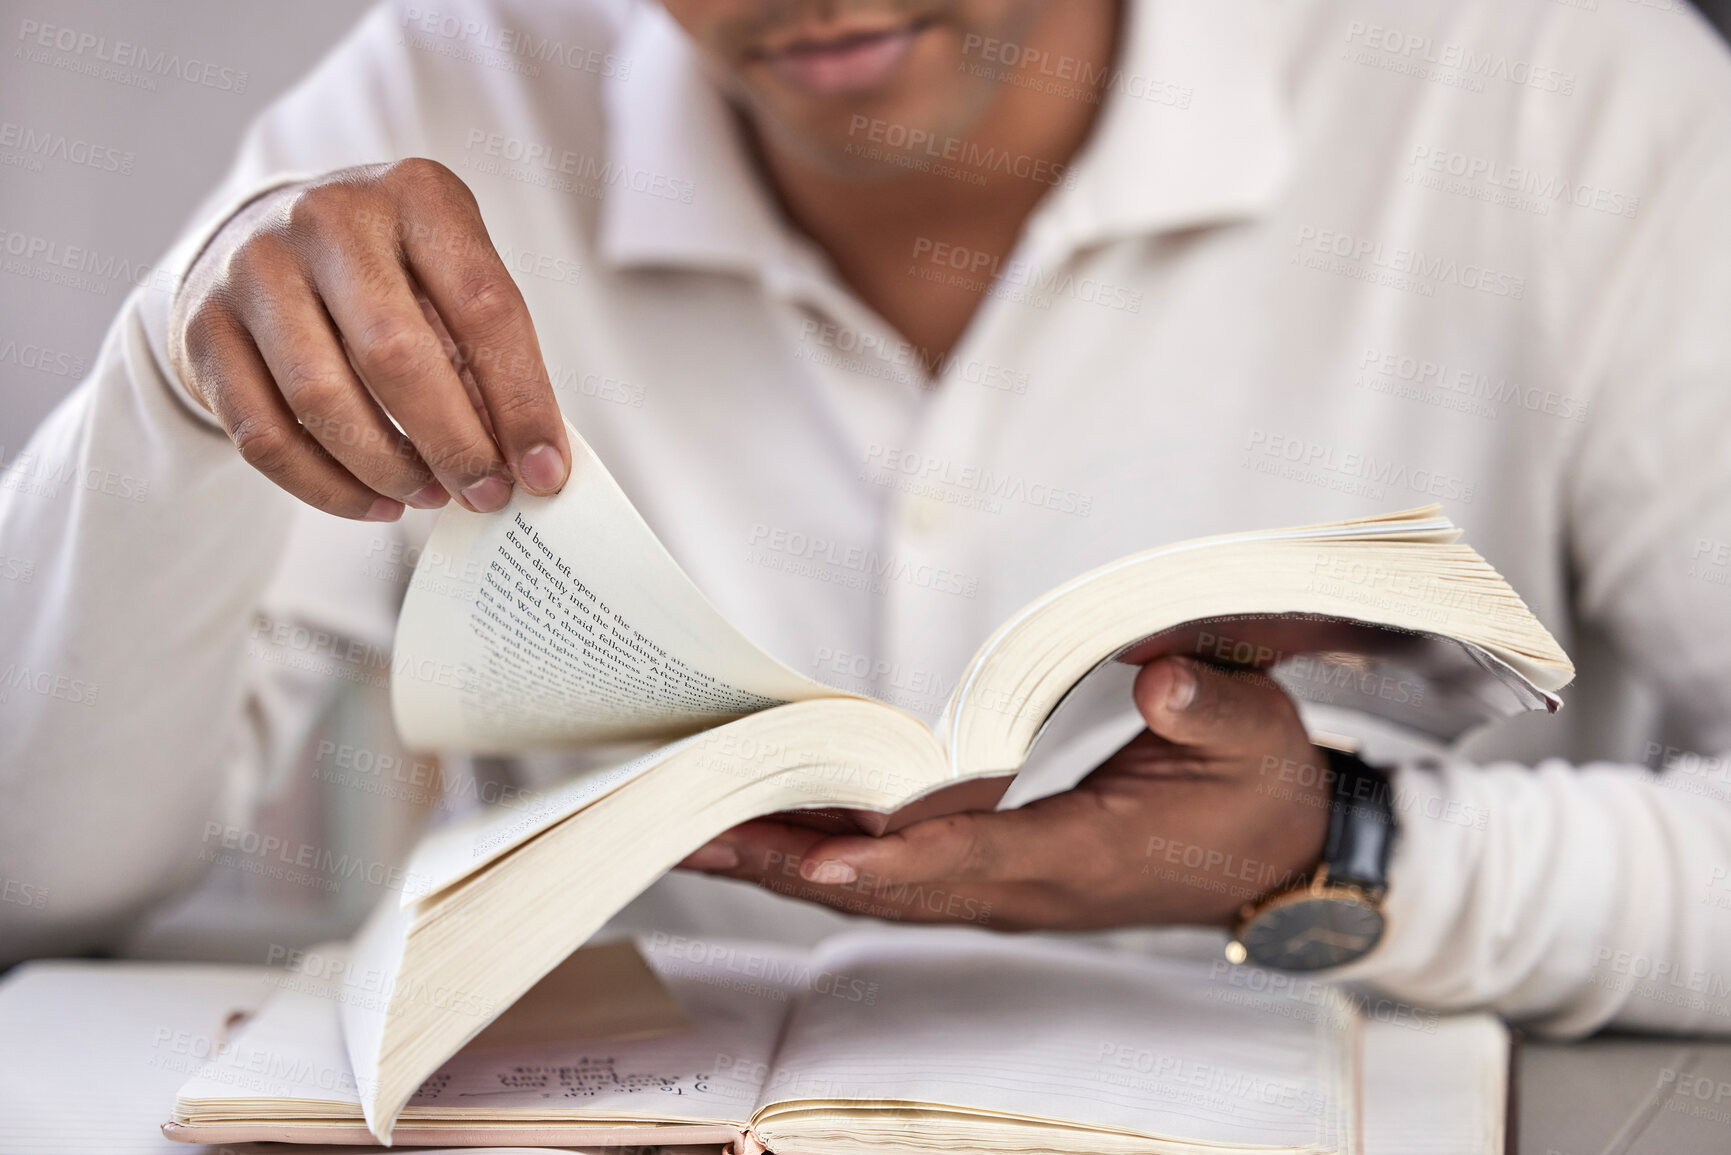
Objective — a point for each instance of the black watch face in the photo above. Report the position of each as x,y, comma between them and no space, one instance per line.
1312,933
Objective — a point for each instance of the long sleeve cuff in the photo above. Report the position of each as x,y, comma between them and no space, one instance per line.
155,301
1565,897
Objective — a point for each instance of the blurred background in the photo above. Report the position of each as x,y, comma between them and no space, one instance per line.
147,157
144,156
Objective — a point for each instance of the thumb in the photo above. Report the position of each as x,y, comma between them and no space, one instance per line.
1196,704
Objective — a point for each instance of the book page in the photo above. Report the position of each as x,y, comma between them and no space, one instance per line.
376,956
828,752
450,853
1092,722
563,620
1031,1028
1349,611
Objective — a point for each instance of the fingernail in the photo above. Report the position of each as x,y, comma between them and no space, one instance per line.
713,856
384,509
829,873
542,469
487,495
1182,692
430,496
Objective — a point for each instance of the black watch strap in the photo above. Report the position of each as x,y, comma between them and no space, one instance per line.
1361,825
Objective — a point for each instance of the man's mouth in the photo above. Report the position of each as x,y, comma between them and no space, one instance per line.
851,62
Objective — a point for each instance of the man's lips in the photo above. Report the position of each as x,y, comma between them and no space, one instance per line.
836,66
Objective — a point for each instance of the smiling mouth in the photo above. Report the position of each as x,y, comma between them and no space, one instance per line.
851,63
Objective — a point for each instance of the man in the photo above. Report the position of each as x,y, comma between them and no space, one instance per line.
818,270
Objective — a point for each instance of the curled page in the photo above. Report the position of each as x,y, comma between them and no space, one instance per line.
562,621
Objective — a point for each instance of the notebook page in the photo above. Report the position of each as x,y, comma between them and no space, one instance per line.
1440,1088
1034,1028
93,1051
711,1072
291,1049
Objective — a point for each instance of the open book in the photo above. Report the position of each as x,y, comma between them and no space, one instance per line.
562,621
918,1040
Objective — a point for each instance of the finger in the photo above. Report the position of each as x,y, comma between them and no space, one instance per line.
754,850
1195,704
777,857
769,852
368,295
400,359
485,312
265,431
954,846
305,356
448,344
1040,842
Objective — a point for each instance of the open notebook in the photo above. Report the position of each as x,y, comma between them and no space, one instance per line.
913,1039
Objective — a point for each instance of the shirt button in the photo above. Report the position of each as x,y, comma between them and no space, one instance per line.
925,516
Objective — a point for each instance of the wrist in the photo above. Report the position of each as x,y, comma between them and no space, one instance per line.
197,262
1303,785
1334,915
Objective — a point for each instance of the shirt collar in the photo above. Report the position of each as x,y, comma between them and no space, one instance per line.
1193,131
669,126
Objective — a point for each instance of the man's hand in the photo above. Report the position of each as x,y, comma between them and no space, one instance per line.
325,310
1221,800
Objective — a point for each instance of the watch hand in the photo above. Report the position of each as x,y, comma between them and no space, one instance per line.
1326,937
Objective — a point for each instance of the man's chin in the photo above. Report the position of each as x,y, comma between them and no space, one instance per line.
868,122
856,145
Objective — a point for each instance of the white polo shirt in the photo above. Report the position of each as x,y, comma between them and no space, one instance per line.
1317,260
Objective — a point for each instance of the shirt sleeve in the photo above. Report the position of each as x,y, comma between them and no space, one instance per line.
137,547
1572,897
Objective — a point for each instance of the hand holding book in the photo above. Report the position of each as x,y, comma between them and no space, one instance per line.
1096,855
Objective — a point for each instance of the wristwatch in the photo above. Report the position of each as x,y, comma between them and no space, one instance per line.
1335,916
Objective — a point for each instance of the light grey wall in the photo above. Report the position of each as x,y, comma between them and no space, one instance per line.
170,143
